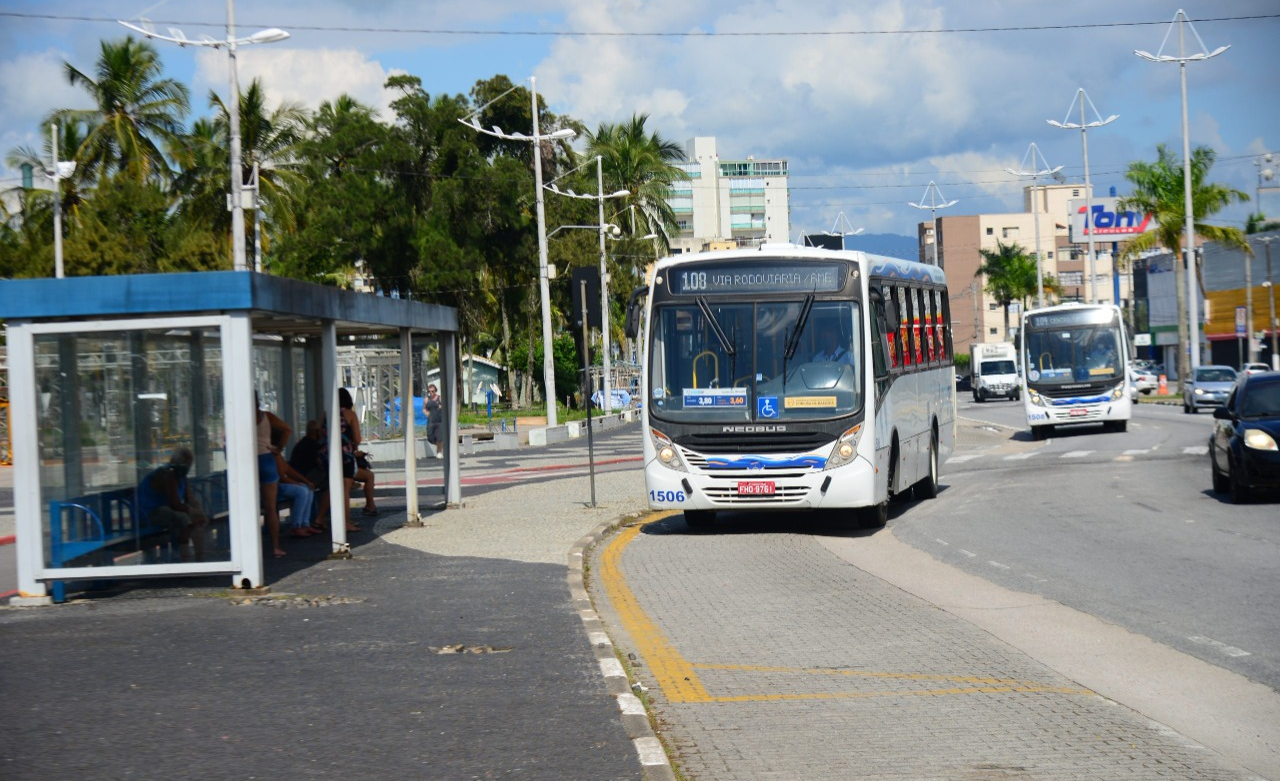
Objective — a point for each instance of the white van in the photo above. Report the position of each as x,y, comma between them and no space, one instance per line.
993,368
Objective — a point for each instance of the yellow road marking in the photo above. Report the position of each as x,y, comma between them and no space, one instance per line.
679,681
670,670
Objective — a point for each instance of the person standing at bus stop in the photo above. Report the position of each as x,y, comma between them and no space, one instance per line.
432,406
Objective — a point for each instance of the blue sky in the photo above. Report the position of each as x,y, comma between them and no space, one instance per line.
865,105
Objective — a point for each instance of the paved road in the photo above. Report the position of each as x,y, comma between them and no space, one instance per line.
1121,526
768,656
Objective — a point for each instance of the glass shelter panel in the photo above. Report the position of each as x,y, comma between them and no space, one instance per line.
756,361
119,413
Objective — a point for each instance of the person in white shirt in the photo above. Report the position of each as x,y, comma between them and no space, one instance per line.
830,347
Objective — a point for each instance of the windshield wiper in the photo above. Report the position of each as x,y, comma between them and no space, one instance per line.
725,344
793,341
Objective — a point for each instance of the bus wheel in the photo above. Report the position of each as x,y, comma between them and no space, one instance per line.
927,488
1119,426
874,517
699,519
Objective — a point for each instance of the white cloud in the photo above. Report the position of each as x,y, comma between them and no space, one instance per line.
305,76
32,84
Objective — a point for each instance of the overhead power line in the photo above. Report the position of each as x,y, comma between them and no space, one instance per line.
633,34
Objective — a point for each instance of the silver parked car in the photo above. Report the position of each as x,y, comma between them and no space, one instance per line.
1208,387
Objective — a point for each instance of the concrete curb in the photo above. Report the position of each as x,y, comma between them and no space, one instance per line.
635,719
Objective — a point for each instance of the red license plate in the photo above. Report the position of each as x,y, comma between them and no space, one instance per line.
1078,413
756,488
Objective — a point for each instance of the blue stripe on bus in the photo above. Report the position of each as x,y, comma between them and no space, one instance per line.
759,462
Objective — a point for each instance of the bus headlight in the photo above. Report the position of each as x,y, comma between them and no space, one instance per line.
1035,398
668,456
1117,392
846,448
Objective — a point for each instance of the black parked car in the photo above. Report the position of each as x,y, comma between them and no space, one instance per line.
1243,449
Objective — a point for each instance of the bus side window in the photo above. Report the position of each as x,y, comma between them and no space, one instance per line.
940,329
930,323
891,333
917,325
904,326
879,342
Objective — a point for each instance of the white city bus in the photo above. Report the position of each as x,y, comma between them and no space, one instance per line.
1074,359
793,378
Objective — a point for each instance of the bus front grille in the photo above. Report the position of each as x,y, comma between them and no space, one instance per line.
772,442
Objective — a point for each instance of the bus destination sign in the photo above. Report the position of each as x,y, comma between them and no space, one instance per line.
757,277
1069,319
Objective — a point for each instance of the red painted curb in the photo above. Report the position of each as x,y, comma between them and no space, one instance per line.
8,539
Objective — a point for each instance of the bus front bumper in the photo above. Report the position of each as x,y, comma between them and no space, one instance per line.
852,485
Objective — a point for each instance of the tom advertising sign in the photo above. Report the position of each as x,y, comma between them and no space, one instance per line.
1107,223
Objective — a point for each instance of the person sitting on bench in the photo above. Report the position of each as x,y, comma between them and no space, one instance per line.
165,500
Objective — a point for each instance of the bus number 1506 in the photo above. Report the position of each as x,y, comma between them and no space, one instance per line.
666,496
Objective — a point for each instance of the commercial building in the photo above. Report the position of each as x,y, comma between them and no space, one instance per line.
727,204
975,314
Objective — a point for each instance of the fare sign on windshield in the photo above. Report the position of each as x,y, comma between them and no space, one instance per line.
757,277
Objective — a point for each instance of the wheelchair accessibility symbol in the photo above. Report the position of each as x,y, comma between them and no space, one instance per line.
767,407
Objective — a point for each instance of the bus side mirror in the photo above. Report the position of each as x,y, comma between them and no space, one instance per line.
635,312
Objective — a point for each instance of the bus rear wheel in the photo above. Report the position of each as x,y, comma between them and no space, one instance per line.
927,488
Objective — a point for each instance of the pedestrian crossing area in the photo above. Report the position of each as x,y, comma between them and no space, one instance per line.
1044,455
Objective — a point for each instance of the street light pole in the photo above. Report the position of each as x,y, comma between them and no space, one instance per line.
57,206
1083,126
1189,245
1271,305
599,198
236,200
544,283
934,195
237,176
1035,173
544,286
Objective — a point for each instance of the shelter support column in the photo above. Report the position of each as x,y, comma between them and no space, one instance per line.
23,400
243,491
449,380
338,499
408,417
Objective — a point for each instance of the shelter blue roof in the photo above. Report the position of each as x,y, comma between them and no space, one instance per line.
295,306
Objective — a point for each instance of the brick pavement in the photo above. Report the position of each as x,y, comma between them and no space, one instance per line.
814,669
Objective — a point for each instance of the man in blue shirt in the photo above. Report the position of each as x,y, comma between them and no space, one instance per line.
164,501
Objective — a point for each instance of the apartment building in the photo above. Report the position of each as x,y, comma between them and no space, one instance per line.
729,203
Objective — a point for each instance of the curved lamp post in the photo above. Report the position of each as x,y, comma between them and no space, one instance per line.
544,287
1034,152
600,197
847,229
269,35
1182,22
1083,126
936,201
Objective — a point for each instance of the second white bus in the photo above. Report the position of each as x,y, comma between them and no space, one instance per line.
1075,359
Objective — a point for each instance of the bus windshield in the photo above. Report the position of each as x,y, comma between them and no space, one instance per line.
717,361
1074,354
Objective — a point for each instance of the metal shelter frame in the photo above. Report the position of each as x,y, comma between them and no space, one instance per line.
216,316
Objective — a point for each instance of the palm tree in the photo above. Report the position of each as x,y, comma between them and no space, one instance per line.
644,164
1258,223
1011,275
138,113
1158,190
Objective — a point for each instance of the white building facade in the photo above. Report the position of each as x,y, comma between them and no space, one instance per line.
729,203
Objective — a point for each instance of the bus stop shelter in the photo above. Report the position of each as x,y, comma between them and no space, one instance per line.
108,375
